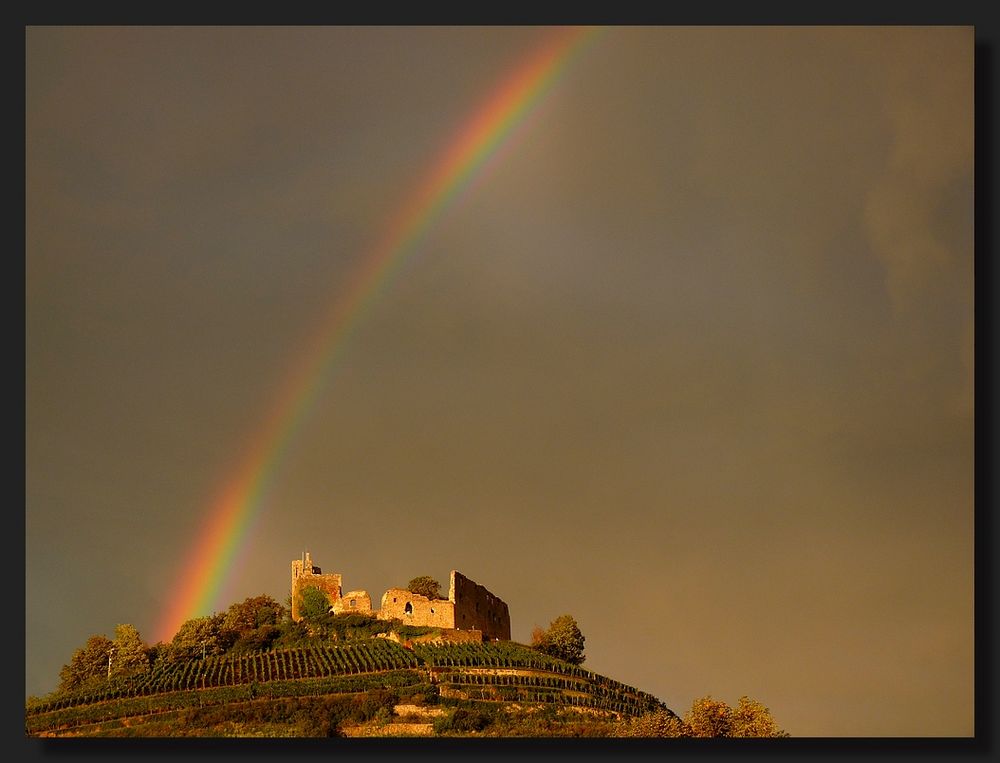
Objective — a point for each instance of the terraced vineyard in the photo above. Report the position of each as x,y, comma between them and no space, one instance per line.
374,656
490,672
507,672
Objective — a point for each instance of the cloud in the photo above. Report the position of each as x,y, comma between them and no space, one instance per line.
927,79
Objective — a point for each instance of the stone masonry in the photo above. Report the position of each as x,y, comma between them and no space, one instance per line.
469,606
306,574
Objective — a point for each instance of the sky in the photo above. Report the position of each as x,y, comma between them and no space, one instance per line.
689,356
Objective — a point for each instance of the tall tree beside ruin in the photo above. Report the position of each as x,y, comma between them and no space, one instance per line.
314,605
563,640
88,664
131,655
425,585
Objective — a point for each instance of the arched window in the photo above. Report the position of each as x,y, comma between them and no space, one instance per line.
408,609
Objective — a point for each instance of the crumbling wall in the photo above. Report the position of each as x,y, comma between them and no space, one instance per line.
354,601
479,609
306,574
469,606
416,609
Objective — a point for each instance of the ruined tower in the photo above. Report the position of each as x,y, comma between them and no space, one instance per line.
306,574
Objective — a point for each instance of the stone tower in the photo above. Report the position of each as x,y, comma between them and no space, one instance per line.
304,574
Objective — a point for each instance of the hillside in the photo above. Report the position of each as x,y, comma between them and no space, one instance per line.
362,688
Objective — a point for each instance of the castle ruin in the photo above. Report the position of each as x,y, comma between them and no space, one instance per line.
469,606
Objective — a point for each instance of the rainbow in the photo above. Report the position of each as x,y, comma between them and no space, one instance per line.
233,511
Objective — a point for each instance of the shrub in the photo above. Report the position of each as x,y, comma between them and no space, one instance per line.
257,640
465,720
425,585
366,706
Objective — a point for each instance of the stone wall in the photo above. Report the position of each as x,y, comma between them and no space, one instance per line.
478,609
415,609
469,606
306,574
354,601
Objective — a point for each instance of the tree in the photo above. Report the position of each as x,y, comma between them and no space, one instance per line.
89,664
563,640
709,718
156,652
291,633
252,613
425,585
196,637
751,719
131,653
659,723
314,606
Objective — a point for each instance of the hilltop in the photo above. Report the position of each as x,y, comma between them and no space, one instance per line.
372,686
256,670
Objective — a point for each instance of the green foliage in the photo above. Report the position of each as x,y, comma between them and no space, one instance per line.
257,640
420,694
358,666
130,655
196,637
119,700
88,665
365,707
348,626
301,717
472,669
314,606
465,720
291,633
253,653
425,585
157,652
251,614
562,640
253,624
412,631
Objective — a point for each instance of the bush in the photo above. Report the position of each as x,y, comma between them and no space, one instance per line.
425,585
257,640
419,694
366,706
355,625
412,631
464,720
